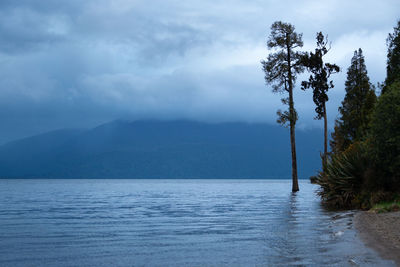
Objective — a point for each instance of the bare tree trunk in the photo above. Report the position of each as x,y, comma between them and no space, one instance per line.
292,119
325,135
295,183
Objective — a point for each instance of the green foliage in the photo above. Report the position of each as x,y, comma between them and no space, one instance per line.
385,136
282,66
357,105
320,73
386,207
338,142
367,171
342,177
393,57
364,168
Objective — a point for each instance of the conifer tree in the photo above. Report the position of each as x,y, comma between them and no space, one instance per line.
319,82
385,137
356,107
281,68
393,57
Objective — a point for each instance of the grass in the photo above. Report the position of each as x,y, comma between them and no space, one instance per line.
386,207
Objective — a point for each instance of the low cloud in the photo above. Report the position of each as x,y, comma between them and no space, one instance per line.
80,63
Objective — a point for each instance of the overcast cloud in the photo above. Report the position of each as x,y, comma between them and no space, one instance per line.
80,63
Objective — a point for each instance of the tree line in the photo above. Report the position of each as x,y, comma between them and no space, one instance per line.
363,166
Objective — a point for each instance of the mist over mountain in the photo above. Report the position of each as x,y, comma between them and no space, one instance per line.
162,149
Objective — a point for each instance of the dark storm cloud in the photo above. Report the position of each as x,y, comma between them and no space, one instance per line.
79,63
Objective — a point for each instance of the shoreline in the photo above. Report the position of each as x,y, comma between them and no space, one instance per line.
381,232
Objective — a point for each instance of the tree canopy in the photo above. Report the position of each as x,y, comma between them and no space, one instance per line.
385,135
282,66
320,73
356,107
393,57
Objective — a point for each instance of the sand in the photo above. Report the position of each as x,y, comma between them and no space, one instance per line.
381,232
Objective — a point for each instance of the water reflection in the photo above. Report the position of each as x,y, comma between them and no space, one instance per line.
173,222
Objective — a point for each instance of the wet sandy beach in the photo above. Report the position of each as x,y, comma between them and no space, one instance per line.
380,231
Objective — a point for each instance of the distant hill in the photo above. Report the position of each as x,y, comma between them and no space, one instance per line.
162,149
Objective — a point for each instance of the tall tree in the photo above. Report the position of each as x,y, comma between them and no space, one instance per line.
281,68
319,81
393,57
385,138
356,107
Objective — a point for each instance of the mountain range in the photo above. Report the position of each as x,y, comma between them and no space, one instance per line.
162,149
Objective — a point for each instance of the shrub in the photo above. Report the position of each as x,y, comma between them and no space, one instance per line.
342,177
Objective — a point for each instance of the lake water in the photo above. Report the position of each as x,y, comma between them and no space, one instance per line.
173,223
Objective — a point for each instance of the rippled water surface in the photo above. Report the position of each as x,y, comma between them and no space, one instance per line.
173,223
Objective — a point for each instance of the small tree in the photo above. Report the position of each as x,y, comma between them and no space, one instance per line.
319,82
356,107
281,68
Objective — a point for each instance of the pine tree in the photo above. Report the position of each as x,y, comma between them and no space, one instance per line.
393,57
356,107
281,69
319,82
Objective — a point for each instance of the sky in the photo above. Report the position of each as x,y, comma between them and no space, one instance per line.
77,64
